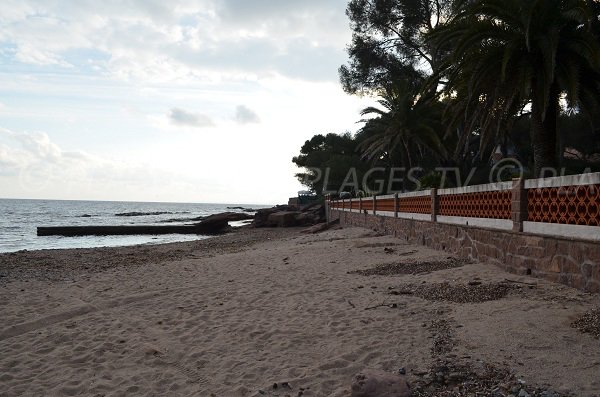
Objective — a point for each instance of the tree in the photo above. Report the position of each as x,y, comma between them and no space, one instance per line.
406,124
509,55
328,159
388,41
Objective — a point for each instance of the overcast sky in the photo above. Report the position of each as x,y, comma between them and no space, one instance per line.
153,100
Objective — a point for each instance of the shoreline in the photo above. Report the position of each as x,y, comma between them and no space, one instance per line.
19,265
19,226
235,315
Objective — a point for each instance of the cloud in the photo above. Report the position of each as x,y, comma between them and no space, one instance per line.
35,162
245,115
182,117
144,39
28,149
32,165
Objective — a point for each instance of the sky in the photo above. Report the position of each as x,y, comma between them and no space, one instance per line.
177,101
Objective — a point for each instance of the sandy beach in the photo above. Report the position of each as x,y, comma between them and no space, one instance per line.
274,312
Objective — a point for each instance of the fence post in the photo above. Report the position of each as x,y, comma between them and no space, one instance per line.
396,205
518,204
374,204
360,205
435,204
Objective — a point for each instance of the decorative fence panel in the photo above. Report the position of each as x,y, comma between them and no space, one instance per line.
367,204
494,205
385,204
569,205
416,204
565,206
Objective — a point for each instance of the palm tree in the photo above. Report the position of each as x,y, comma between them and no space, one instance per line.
508,56
405,125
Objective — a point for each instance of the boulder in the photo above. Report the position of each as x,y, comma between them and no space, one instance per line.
242,209
312,207
320,227
374,383
261,218
230,216
284,218
307,215
219,223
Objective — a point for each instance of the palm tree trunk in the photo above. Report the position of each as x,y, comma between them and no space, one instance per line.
543,135
408,156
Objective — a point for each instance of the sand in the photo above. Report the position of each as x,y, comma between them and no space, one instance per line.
243,313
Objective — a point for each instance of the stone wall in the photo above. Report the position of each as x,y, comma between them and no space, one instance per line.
572,262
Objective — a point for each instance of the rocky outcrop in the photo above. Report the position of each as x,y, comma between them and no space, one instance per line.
148,213
290,215
214,224
229,216
284,218
245,209
219,223
373,383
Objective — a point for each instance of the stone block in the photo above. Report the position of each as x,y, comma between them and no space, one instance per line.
283,219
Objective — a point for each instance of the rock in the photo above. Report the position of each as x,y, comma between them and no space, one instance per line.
320,227
142,213
312,207
219,223
374,383
284,218
261,218
303,219
242,209
235,216
231,216
308,215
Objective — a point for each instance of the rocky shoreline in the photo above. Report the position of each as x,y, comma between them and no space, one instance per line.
278,216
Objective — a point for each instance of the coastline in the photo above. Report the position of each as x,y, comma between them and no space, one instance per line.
235,315
70,264
22,218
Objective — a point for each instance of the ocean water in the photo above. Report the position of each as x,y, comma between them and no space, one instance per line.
19,220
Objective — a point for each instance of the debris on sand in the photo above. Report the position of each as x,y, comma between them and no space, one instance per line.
442,337
457,293
415,267
446,378
589,323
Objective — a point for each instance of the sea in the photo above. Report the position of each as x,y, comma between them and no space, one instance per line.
19,220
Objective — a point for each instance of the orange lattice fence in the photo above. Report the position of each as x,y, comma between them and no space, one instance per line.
416,204
367,204
571,205
494,205
386,204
